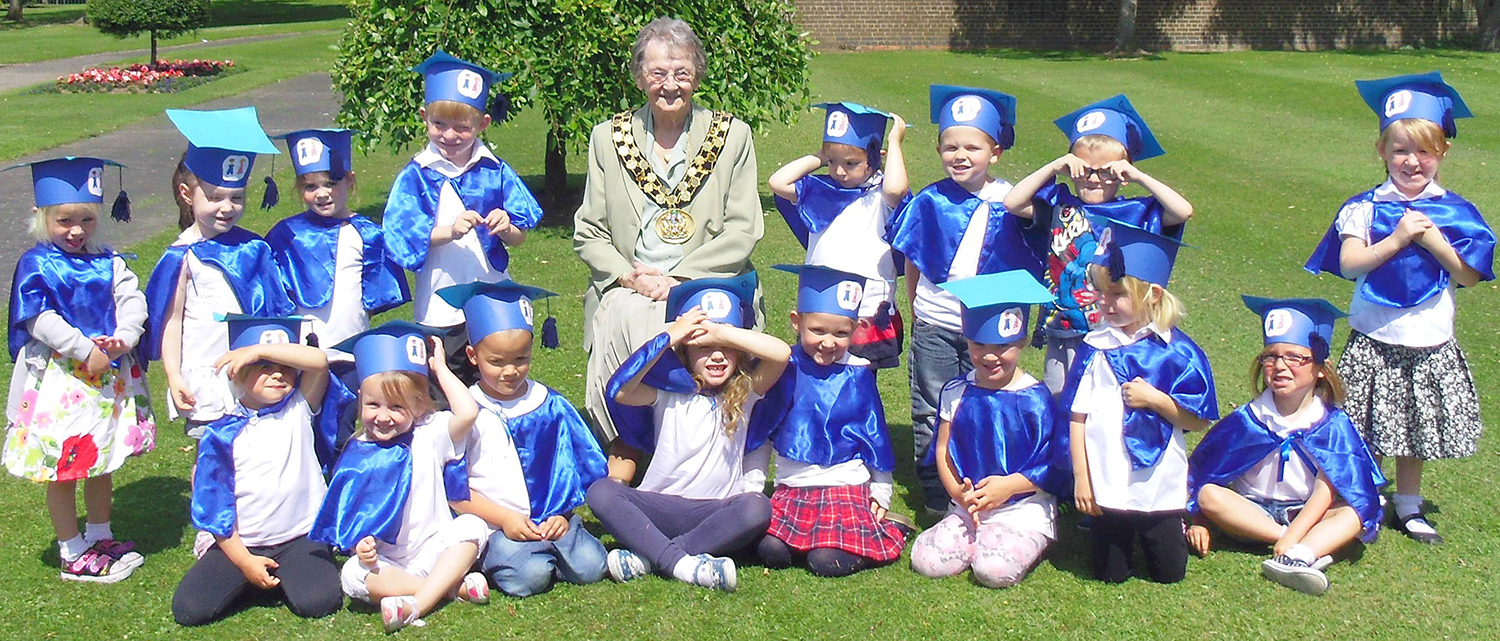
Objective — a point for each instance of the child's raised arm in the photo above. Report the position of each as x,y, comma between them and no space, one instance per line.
1018,200
1176,210
460,402
311,361
895,185
637,394
1357,258
784,181
772,352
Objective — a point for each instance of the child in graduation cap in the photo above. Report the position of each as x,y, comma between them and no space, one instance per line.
1289,468
1408,244
388,497
841,217
994,443
955,228
456,207
258,485
1105,140
833,453
531,457
685,397
78,404
214,267
1137,384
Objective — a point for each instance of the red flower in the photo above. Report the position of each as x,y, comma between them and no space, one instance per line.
78,455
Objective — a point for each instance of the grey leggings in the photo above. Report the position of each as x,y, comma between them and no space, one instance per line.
663,529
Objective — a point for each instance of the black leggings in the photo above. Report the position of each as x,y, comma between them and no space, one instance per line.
309,582
1162,540
825,562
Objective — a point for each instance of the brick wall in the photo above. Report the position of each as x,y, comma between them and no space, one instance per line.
1183,25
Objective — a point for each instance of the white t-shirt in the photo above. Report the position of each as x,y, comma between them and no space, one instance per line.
1297,479
1425,325
1038,512
494,465
856,244
278,485
938,307
694,458
204,338
344,315
1117,486
426,512
460,262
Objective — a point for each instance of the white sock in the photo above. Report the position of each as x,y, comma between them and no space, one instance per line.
95,532
686,569
72,548
1302,553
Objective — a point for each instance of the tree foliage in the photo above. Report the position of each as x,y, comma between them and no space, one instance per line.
571,59
160,18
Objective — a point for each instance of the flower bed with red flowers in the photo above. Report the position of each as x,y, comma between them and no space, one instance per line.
162,76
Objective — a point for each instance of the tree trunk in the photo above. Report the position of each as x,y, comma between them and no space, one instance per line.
1125,31
14,14
555,180
153,47
1489,26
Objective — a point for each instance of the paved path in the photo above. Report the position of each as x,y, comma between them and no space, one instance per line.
27,74
150,149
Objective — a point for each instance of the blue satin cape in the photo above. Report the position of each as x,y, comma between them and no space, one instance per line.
824,415
246,263
77,287
1413,274
1178,368
637,425
559,456
930,227
1333,447
367,493
999,433
213,505
411,209
306,246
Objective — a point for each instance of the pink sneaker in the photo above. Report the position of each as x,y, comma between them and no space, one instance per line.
473,589
123,552
94,567
397,612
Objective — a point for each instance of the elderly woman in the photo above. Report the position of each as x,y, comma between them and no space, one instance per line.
671,196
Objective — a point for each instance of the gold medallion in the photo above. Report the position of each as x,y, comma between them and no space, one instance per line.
674,226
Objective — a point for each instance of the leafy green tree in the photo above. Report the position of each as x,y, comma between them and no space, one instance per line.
160,18
571,59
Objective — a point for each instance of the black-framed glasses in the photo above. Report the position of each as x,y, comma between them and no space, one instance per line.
1291,360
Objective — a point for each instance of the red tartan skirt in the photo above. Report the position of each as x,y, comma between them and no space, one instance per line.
833,517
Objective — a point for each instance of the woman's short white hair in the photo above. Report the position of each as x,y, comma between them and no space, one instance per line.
676,34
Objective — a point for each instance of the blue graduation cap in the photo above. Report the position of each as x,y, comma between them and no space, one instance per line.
313,150
1116,118
725,300
1300,321
397,346
68,179
222,144
997,307
987,110
1128,250
854,124
1422,95
248,329
494,307
448,78
823,290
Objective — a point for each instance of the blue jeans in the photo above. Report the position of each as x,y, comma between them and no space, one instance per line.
524,568
937,356
1282,512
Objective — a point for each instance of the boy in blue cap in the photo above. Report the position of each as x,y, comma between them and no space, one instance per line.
1137,384
1408,244
1105,139
214,267
994,443
841,217
531,457
1289,468
258,485
456,207
833,453
955,228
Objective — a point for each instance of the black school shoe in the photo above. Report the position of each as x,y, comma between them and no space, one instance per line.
1421,537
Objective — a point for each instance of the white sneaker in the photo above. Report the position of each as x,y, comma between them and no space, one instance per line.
474,588
1296,574
715,572
397,612
624,565
1322,563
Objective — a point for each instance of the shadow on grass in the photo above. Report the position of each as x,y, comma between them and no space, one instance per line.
40,16
152,512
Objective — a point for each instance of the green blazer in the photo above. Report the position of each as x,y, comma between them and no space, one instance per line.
726,211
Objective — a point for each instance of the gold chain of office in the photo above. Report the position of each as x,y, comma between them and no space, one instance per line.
674,225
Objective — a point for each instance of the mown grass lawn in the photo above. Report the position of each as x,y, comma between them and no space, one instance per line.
1266,145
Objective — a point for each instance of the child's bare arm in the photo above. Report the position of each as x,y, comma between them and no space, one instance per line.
913,276
637,394
895,185
171,347
772,352
500,225
311,361
947,471
517,526
1312,512
784,181
1437,244
460,402
1083,485
1176,210
1018,200
1357,258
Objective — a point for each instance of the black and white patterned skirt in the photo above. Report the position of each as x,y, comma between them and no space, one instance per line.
1411,401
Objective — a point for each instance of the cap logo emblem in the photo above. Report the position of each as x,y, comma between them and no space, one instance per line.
1106,238
235,168
1090,121
526,312
469,84
1397,103
849,295
1278,323
274,337
1012,322
96,181
967,108
715,304
416,350
309,151
838,124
